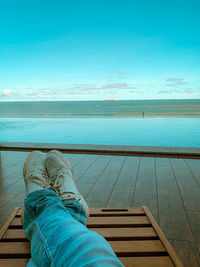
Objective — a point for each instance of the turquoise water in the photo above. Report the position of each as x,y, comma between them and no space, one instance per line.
182,132
60,109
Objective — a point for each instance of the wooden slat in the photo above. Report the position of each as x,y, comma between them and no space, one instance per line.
126,233
16,222
163,239
130,236
172,215
115,211
8,221
145,191
194,166
189,187
9,248
106,181
19,212
136,248
13,262
123,221
188,252
92,174
128,174
84,165
163,261
194,217
14,234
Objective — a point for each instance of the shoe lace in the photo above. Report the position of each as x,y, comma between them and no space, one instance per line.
42,179
58,183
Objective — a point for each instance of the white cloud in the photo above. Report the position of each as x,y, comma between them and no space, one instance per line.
190,91
44,92
182,91
7,92
88,87
175,81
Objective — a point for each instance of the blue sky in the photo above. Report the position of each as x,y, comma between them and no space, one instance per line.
88,50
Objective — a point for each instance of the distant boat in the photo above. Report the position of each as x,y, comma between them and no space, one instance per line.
110,100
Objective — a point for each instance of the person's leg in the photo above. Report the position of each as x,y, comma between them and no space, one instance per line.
56,225
58,236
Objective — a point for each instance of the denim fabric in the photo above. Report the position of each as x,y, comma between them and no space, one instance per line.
59,236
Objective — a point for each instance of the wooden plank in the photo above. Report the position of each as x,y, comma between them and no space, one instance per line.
19,213
6,210
127,176
163,239
13,262
100,192
112,170
14,234
138,248
173,218
145,191
84,188
107,211
96,204
122,193
164,174
84,165
16,222
92,174
68,156
2,221
13,186
194,165
77,159
163,261
121,196
155,213
9,248
188,185
5,198
7,222
194,217
118,221
147,166
103,187
187,252
12,158
126,233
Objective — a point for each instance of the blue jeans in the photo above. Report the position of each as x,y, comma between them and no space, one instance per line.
59,236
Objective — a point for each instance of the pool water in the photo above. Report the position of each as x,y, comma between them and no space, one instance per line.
179,132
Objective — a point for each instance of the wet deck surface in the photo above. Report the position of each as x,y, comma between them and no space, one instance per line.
169,187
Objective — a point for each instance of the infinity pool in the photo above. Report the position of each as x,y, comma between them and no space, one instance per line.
182,132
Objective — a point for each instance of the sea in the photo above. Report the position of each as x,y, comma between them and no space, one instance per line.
123,122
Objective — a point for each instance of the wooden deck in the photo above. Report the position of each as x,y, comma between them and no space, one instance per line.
169,187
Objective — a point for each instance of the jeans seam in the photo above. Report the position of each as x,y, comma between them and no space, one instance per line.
47,248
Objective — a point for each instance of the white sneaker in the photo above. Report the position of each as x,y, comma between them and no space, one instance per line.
60,172
35,173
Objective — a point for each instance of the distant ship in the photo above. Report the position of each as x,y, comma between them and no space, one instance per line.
110,100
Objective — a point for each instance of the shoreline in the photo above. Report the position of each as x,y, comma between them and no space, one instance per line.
128,115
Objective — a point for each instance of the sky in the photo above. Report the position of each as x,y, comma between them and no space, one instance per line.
99,49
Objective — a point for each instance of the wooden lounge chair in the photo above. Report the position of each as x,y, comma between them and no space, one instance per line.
133,234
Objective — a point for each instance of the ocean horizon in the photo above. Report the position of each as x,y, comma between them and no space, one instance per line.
134,123
60,109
